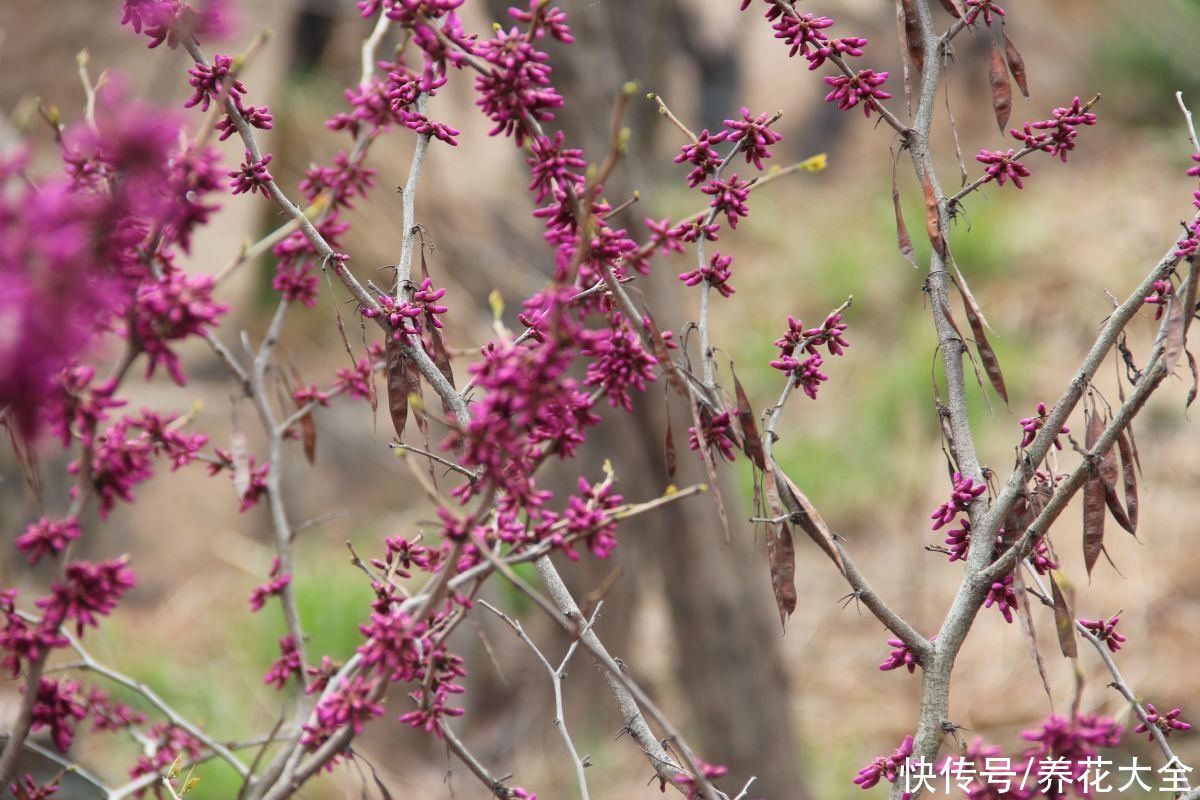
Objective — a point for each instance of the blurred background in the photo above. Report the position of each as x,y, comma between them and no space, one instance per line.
691,614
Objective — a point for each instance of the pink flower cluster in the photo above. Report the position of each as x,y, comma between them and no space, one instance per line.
1031,426
807,373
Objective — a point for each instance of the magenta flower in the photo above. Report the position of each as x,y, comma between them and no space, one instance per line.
20,642
729,197
801,31
716,273
716,431
958,541
862,88
170,309
544,19
287,665
691,787
272,588
58,707
1056,135
985,7
1002,595
551,164
964,491
619,363
208,82
252,176
402,318
1105,630
26,788
754,136
702,156
427,127
663,236
1167,723
518,85
256,117
1031,426
1001,166
693,230
1163,291
47,537
351,705
90,590
888,768
845,46
588,516
900,656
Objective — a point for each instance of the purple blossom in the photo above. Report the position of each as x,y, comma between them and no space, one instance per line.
252,176
845,46
888,767
58,707
47,537
1163,291
551,164
985,7
1166,723
901,656
716,431
543,18
588,516
801,31
26,788
1001,166
619,362
402,318
702,156
753,135
20,642
1002,595
90,590
1031,426
729,196
1056,135
862,88
350,705
170,309
692,788
517,86
1105,630
427,127
964,491
274,587
716,273
209,81
287,665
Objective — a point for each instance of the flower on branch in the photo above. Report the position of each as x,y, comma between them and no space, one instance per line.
209,81
963,492
89,590
729,196
287,665
1105,630
901,656
716,273
47,537
888,767
801,31
1001,166
1167,723
692,788
862,88
544,19
715,431
702,156
754,136
1003,596
619,362
985,7
58,707
1031,426
252,176
844,46
274,587
1056,135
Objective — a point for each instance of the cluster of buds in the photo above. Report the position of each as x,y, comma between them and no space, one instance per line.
807,373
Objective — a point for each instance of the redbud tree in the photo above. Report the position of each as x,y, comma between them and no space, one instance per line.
90,265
